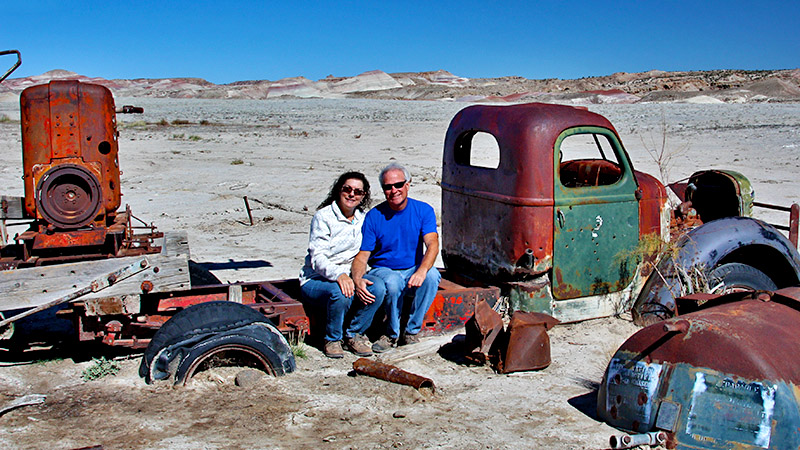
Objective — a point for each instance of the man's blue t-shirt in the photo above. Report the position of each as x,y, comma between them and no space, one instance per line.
395,237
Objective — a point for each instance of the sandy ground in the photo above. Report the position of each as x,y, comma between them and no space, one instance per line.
283,155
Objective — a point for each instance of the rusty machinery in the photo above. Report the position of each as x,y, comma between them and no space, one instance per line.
72,179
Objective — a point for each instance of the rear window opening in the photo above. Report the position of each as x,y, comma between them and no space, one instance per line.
478,149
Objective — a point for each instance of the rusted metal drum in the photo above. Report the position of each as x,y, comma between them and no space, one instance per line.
723,377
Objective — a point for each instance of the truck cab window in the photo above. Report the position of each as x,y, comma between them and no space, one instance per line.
588,159
478,149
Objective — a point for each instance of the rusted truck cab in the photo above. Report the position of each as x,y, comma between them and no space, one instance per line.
545,200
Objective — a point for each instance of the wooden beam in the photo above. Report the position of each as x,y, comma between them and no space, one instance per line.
35,286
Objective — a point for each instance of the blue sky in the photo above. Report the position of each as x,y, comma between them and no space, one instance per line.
246,40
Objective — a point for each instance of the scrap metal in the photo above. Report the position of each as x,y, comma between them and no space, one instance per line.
721,377
392,374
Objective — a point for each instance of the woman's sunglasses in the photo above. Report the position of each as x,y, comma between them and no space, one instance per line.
350,190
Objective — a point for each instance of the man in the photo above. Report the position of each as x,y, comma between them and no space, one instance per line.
393,236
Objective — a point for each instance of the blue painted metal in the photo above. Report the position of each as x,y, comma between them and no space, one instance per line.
724,377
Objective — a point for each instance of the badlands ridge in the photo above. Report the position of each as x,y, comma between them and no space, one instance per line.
718,86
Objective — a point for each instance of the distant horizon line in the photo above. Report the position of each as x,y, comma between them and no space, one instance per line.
404,72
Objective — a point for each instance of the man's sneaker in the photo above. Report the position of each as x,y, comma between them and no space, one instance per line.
409,339
384,344
359,345
333,349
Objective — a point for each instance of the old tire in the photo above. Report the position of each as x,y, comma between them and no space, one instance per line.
259,345
191,327
733,277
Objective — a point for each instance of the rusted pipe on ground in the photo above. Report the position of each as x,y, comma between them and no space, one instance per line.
634,440
394,374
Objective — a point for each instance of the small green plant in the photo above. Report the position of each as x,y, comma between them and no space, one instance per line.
300,350
136,124
237,162
42,362
101,367
195,138
5,119
163,122
178,136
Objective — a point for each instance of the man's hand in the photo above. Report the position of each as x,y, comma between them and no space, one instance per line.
417,278
346,285
362,292
431,241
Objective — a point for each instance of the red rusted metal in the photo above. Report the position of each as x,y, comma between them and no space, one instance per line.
82,238
272,299
747,337
454,303
390,373
652,202
69,152
482,331
794,219
72,179
528,342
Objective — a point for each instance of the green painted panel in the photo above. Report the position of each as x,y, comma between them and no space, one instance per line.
747,194
596,226
529,297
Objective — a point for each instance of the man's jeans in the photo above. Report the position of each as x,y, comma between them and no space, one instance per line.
396,282
319,291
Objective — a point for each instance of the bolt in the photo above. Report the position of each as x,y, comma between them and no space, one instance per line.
112,279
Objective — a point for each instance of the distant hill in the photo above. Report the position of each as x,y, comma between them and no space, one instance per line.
716,86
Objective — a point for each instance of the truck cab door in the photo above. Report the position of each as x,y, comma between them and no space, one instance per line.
596,223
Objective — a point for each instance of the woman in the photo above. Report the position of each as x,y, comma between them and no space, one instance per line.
333,242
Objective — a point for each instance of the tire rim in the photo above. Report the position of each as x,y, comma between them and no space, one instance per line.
235,348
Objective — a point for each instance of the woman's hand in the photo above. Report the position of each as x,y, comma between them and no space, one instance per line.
346,285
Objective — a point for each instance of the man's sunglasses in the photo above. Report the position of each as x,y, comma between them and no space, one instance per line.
398,185
349,189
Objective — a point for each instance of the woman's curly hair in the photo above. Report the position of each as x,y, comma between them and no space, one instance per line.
337,188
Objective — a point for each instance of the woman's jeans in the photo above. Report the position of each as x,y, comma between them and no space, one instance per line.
339,307
396,288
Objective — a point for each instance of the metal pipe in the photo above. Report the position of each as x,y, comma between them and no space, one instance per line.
387,372
249,213
794,223
633,440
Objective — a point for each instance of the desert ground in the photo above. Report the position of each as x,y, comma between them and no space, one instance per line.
192,172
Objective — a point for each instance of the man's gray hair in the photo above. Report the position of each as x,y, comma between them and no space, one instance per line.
394,166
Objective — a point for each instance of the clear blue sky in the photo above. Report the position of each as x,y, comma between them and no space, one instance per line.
245,40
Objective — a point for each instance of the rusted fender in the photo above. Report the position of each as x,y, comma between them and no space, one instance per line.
728,240
724,377
391,373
